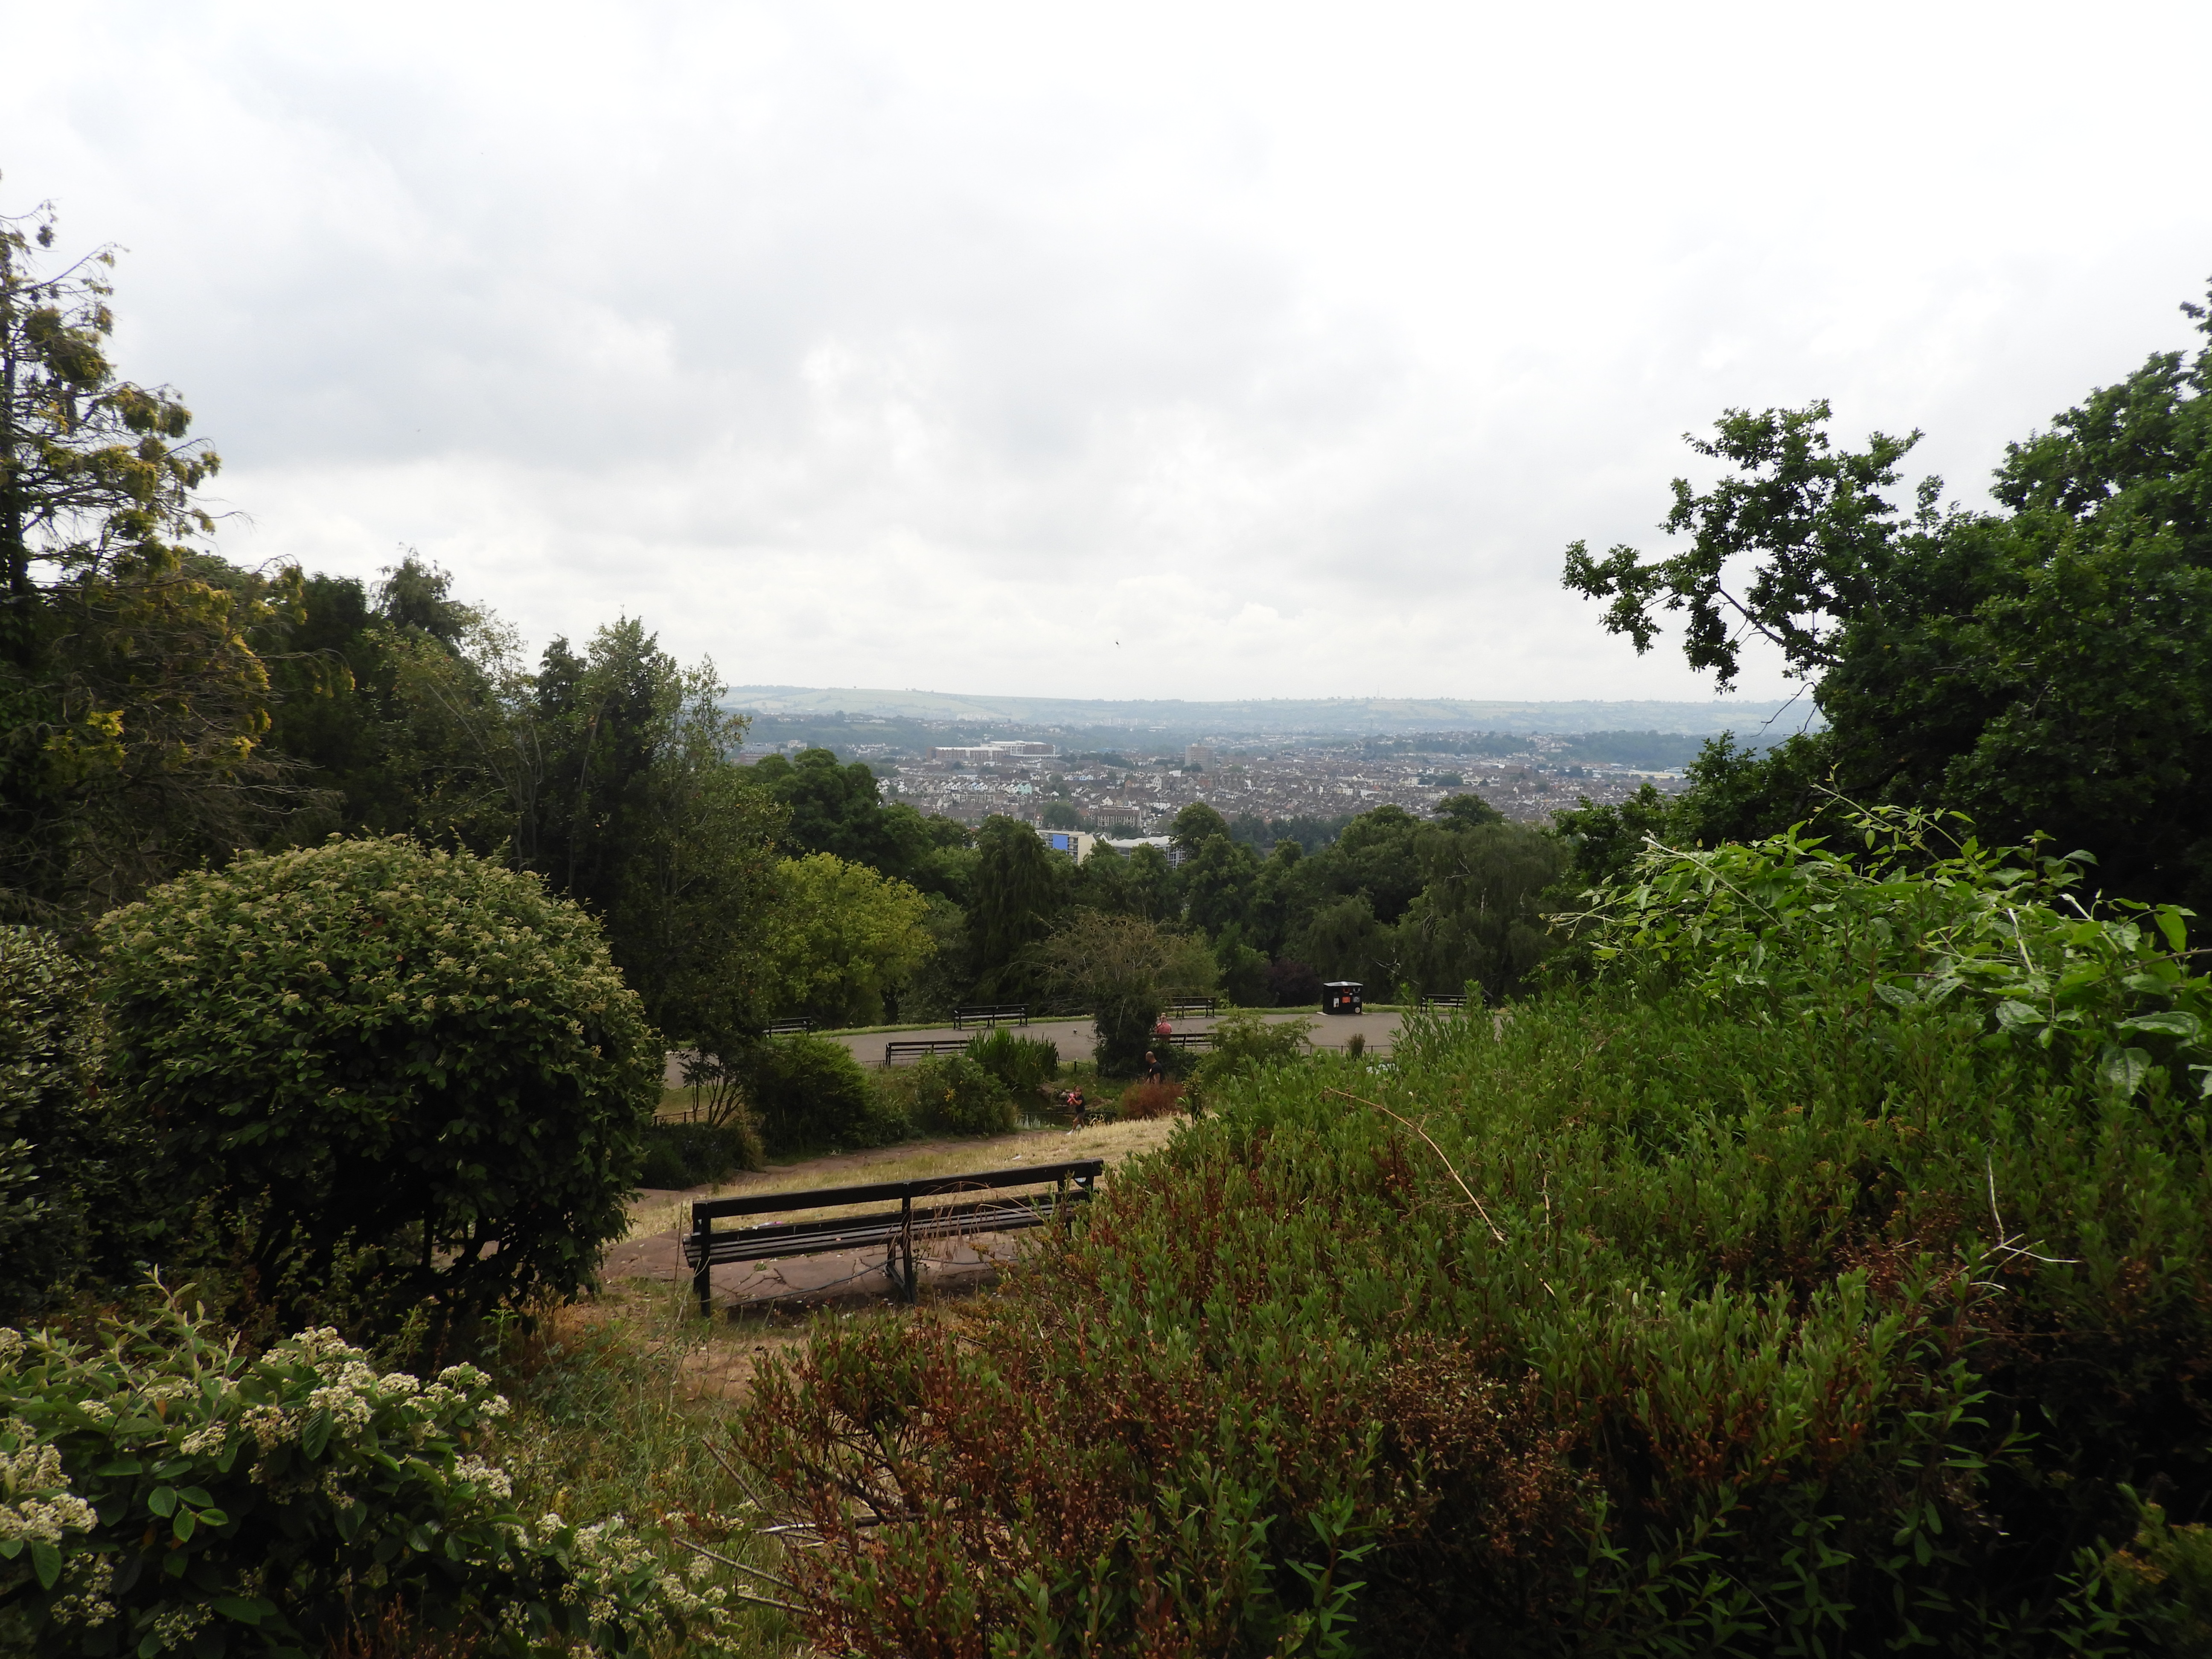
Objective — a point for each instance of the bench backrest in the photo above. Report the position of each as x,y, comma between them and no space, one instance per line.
823,1197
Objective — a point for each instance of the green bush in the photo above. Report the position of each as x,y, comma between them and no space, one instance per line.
808,1092
678,1155
67,1160
1025,1064
954,1096
1245,1042
163,1492
412,1065
1627,1324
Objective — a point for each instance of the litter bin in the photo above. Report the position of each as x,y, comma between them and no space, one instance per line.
1341,996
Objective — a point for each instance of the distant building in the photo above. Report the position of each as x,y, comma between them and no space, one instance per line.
1198,754
1076,843
995,752
1126,844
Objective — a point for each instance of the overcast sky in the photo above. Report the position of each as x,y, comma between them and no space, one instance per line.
947,346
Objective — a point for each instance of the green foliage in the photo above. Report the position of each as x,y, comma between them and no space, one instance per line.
955,1095
1014,901
1779,927
807,1091
1245,1042
1025,1064
1624,1324
840,936
161,1492
132,706
73,1172
1122,969
680,1155
839,810
2045,668
417,1057
1479,918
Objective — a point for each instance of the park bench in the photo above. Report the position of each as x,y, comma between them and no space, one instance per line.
789,1027
1189,1040
914,1047
991,1013
916,1218
1195,1005
1444,1002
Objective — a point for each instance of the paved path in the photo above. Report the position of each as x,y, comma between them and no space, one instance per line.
1077,1039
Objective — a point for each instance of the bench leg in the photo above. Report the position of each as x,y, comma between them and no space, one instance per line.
906,1245
703,1276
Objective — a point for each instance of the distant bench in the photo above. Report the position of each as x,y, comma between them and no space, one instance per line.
789,1027
914,1047
1444,1002
991,1013
895,1230
1195,1005
1189,1040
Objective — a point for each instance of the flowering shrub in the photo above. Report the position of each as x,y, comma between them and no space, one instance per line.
416,1060
164,1492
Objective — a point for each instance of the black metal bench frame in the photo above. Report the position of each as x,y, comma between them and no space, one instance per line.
1195,1005
790,1027
1443,1001
896,1047
896,1230
1189,1040
990,1015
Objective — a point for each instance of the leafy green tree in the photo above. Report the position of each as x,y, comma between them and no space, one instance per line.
413,1075
1122,969
840,809
2045,668
841,935
1479,917
132,707
1016,897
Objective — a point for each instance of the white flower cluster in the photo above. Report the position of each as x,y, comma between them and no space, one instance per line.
36,1505
11,1344
85,1602
619,1580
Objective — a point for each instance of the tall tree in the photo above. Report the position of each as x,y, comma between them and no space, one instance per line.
131,705
1016,897
2045,668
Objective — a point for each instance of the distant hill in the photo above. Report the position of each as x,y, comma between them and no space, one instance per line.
1274,717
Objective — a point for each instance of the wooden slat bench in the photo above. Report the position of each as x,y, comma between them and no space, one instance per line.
895,1229
915,1047
1195,1005
991,1014
789,1027
1444,1002
1189,1040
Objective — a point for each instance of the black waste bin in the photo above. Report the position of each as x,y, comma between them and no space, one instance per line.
1341,996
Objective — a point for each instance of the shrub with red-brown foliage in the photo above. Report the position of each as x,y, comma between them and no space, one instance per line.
1628,1326
1151,1100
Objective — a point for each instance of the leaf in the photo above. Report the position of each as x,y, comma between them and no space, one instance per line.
121,1465
182,1527
162,1500
48,1561
2019,1016
1896,996
316,1435
2124,1068
242,1608
2174,1023
2175,931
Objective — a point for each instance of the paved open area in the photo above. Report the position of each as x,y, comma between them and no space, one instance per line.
1077,1038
